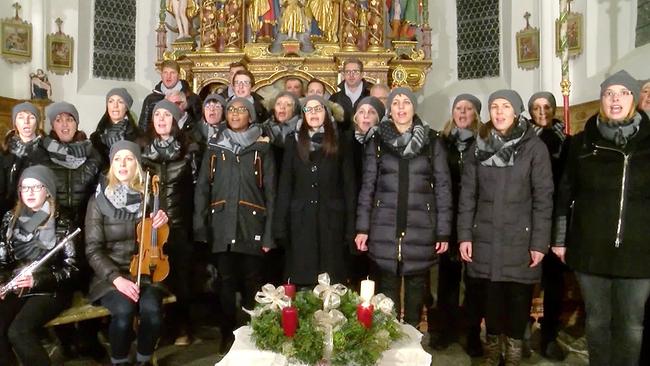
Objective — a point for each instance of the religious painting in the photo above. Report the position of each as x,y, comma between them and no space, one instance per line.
16,40
59,53
574,35
528,48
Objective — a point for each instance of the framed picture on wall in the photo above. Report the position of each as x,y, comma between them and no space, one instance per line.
16,38
528,48
574,35
60,53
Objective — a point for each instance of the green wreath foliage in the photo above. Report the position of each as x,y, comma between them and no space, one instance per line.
354,345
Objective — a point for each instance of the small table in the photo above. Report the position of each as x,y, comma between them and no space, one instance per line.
407,351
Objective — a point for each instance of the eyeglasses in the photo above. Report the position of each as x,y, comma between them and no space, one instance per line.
352,72
315,109
213,106
237,110
242,83
616,94
35,189
284,104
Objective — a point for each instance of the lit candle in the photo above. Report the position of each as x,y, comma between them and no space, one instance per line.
290,289
367,290
364,315
289,321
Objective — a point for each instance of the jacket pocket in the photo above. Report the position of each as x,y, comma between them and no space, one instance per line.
251,221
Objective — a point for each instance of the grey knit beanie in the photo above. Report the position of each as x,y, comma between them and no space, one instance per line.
374,103
252,116
405,91
622,78
24,107
61,107
122,93
42,174
470,98
509,95
215,98
125,145
169,107
543,94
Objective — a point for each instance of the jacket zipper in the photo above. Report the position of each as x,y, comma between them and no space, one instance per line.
399,247
626,159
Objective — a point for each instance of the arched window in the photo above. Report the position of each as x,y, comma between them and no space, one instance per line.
478,39
642,23
114,39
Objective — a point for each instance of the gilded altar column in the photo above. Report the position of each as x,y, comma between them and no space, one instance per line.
350,32
209,31
233,29
376,25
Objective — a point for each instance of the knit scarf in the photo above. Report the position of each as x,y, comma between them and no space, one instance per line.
461,138
557,127
497,150
163,150
115,132
120,202
619,132
33,234
315,137
21,149
407,144
208,130
278,132
235,142
165,90
69,155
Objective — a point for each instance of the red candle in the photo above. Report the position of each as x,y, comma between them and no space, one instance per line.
290,290
364,314
289,320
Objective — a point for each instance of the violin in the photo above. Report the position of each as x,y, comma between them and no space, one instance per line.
151,260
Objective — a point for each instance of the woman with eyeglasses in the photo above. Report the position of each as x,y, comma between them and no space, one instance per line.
234,207
316,198
602,226
116,124
404,212
111,219
243,83
172,156
29,232
20,149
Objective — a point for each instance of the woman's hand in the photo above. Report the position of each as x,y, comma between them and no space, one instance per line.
466,251
159,219
441,247
560,252
361,240
266,249
535,257
26,281
128,288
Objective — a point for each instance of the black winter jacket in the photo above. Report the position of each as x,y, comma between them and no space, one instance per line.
604,192
234,198
344,101
55,276
456,160
506,212
315,212
419,189
194,105
12,167
133,133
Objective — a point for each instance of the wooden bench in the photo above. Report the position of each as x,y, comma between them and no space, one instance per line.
81,310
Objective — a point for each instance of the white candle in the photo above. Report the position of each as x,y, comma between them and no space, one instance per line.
367,290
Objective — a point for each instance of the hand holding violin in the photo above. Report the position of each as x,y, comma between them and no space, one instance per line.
159,219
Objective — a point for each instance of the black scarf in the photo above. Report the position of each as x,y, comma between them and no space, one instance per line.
115,132
69,155
120,202
619,132
278,132
462,138
315,137
208,130
34,233
497,150
235,142
20,148
163,150
408,144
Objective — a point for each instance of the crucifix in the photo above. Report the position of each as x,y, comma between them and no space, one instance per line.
17,7
58,22
527,17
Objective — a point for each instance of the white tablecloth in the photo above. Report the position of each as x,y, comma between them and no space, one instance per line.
407,352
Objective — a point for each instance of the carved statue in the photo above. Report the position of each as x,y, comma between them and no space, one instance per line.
41,87
326,15
261,17
403,15
183,11
293,19
209,30
350,32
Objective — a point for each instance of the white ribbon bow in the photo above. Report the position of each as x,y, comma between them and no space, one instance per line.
331,295
382,303
272,298
329,322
